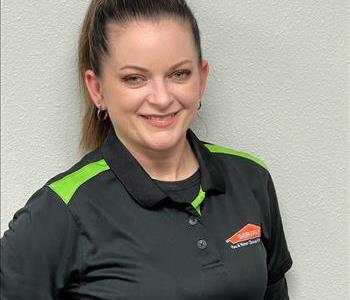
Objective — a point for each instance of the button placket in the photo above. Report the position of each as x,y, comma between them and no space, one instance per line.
207,254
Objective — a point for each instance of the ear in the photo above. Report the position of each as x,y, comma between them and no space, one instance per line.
203,73
94,87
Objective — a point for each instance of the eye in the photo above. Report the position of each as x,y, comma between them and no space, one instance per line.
181,74
134,80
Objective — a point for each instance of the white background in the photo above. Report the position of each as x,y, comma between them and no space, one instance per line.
278,88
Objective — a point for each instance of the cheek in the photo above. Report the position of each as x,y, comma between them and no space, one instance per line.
187,94
122,100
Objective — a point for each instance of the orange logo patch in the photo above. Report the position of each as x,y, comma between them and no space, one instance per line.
248,232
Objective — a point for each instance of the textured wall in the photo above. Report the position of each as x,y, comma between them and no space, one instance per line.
278,88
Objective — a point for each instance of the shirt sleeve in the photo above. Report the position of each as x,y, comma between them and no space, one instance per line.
279,260
40,250
277,290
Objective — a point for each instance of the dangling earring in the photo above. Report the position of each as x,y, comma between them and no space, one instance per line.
200,105
101,118
99,115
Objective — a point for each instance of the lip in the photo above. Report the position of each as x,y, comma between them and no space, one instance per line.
159,116
167,122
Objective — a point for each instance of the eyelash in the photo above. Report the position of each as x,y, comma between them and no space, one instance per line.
181,72
128,79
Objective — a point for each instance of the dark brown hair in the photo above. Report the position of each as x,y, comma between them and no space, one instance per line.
93,46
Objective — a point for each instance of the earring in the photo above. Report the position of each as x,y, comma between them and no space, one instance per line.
200,105
101,114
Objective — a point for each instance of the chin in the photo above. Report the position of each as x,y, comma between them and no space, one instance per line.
161,146
163,141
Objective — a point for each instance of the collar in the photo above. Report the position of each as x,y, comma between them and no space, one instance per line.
141,186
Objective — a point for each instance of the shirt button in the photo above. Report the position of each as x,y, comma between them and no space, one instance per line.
193,220
202,244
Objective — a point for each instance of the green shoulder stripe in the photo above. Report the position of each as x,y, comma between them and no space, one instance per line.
66,186
220,149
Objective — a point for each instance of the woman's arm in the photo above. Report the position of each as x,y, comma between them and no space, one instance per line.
279,260
39,252
277,290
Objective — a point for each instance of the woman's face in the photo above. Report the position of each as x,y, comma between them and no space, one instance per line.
151,73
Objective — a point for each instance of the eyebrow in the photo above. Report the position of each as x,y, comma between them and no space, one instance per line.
145,70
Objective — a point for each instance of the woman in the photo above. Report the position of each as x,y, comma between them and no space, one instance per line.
151,212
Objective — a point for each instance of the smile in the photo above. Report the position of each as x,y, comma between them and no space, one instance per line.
160,121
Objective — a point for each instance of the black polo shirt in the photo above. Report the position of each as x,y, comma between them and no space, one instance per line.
106,230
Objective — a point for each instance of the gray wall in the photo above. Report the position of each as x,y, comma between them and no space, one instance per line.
278,88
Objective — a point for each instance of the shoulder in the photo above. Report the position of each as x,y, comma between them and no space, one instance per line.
240,166
237,157
66,184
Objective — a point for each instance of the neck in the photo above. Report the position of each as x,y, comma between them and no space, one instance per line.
173,164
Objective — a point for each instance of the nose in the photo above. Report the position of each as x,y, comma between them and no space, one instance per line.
160,94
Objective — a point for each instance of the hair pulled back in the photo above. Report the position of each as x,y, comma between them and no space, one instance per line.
93,46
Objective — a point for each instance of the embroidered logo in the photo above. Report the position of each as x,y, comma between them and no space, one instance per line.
250,234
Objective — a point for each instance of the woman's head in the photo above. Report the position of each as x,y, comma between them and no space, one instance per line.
153,35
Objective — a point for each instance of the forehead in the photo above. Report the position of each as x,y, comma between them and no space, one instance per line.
150,42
